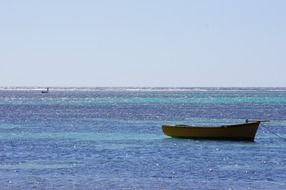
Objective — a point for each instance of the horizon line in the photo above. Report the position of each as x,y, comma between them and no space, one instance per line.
51,86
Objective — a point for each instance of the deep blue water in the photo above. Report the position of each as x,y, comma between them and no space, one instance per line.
111,138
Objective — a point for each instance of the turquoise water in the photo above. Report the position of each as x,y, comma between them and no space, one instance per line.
111,138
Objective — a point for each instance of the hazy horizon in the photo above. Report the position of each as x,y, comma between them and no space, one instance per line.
141,87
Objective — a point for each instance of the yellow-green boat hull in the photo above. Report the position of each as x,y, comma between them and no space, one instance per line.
245,131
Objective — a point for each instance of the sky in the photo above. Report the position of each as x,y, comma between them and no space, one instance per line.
148,43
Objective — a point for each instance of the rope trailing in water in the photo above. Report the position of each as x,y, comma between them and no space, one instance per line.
283,138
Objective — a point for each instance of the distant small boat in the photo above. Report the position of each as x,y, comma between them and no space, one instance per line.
244,132
46,91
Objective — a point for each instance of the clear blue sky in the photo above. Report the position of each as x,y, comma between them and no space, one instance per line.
143,43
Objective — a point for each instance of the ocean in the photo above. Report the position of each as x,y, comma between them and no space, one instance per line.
111,138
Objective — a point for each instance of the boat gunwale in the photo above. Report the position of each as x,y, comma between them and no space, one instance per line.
211,127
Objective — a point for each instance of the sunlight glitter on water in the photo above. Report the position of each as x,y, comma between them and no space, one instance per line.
108,139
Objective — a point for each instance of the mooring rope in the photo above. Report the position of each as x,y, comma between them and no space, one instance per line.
265,128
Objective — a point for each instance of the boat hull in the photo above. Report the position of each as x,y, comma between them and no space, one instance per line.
240,132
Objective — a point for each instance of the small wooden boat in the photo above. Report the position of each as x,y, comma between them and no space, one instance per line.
245,131
45,91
